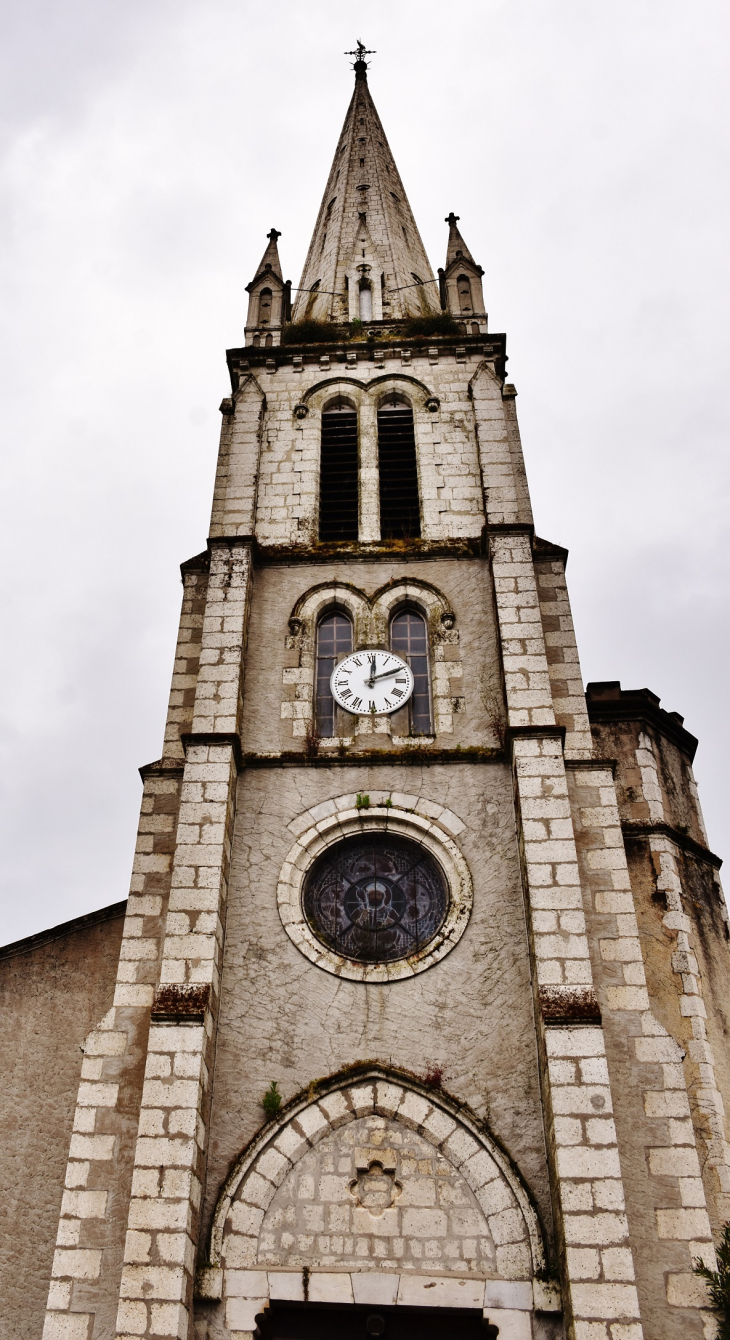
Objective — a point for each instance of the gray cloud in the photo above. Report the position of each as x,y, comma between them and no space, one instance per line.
146,151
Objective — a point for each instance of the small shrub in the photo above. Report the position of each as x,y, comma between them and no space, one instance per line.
362,802
271,1101
420,327
311,332
434,1076
718,1284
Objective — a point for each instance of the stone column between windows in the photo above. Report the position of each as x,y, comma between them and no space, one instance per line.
369,473
156,1290
581,1136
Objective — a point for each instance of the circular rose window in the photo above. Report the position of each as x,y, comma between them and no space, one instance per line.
375,898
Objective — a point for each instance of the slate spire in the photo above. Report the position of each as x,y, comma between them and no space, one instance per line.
366,255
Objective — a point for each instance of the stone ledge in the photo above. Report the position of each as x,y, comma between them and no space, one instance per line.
383,1288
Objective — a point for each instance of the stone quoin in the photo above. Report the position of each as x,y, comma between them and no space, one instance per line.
415,1020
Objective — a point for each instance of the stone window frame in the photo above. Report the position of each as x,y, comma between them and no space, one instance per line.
371,618
274,1151
317,829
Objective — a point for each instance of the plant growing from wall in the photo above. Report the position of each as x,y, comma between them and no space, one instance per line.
362,802
434,1076
312,740
271,1101
718,1284
311,332
420,327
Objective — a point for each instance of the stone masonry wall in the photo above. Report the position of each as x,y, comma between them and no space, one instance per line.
53,989
276,407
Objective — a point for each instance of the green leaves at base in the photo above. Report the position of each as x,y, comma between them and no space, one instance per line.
718,1283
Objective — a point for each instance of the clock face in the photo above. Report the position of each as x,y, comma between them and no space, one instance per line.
372,681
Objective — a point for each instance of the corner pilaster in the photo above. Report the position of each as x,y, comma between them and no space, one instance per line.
596,1262
156,1292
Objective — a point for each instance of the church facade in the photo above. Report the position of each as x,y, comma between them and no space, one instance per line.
415,1021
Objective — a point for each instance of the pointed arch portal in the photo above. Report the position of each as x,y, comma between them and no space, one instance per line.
377,1189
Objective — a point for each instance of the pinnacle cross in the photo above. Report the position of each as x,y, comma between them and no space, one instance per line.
452,219
360,65
273,236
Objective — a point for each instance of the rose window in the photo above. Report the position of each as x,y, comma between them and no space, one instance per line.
375,898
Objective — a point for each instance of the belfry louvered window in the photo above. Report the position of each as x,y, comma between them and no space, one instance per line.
338,491
409,639
334,640
400,516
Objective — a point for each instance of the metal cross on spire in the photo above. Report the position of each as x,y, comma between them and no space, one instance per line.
361,53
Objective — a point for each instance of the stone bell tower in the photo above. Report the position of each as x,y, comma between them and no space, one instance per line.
421,1009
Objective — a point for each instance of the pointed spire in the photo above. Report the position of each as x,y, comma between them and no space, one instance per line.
366,254
460,282
457,246
270,259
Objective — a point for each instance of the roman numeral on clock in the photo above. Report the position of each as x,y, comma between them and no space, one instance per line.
357,702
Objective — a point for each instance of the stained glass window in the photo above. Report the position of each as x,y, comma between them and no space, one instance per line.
375,898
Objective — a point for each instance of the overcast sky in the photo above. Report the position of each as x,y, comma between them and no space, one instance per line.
148,147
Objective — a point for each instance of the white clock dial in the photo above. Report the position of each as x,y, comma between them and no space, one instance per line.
377,682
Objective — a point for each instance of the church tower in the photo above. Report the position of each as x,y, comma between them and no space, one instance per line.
422,993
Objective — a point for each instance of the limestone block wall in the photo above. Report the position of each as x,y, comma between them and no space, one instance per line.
683,923
466,434
485,1045
465,674
53,988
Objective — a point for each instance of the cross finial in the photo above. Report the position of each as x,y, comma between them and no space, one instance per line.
360,65
452,219
273,236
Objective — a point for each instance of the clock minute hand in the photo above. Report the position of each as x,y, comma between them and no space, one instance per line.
385,674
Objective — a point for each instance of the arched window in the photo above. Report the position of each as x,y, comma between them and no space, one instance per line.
334,640
409,639
366,301
338,494
264,307
463,288
400,516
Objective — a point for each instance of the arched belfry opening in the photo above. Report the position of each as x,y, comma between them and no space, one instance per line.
400,513
338,474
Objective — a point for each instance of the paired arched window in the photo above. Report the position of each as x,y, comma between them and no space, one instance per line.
400,516
463,288
334,640
338,476
409,639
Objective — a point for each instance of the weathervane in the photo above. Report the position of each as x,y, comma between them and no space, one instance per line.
361,53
